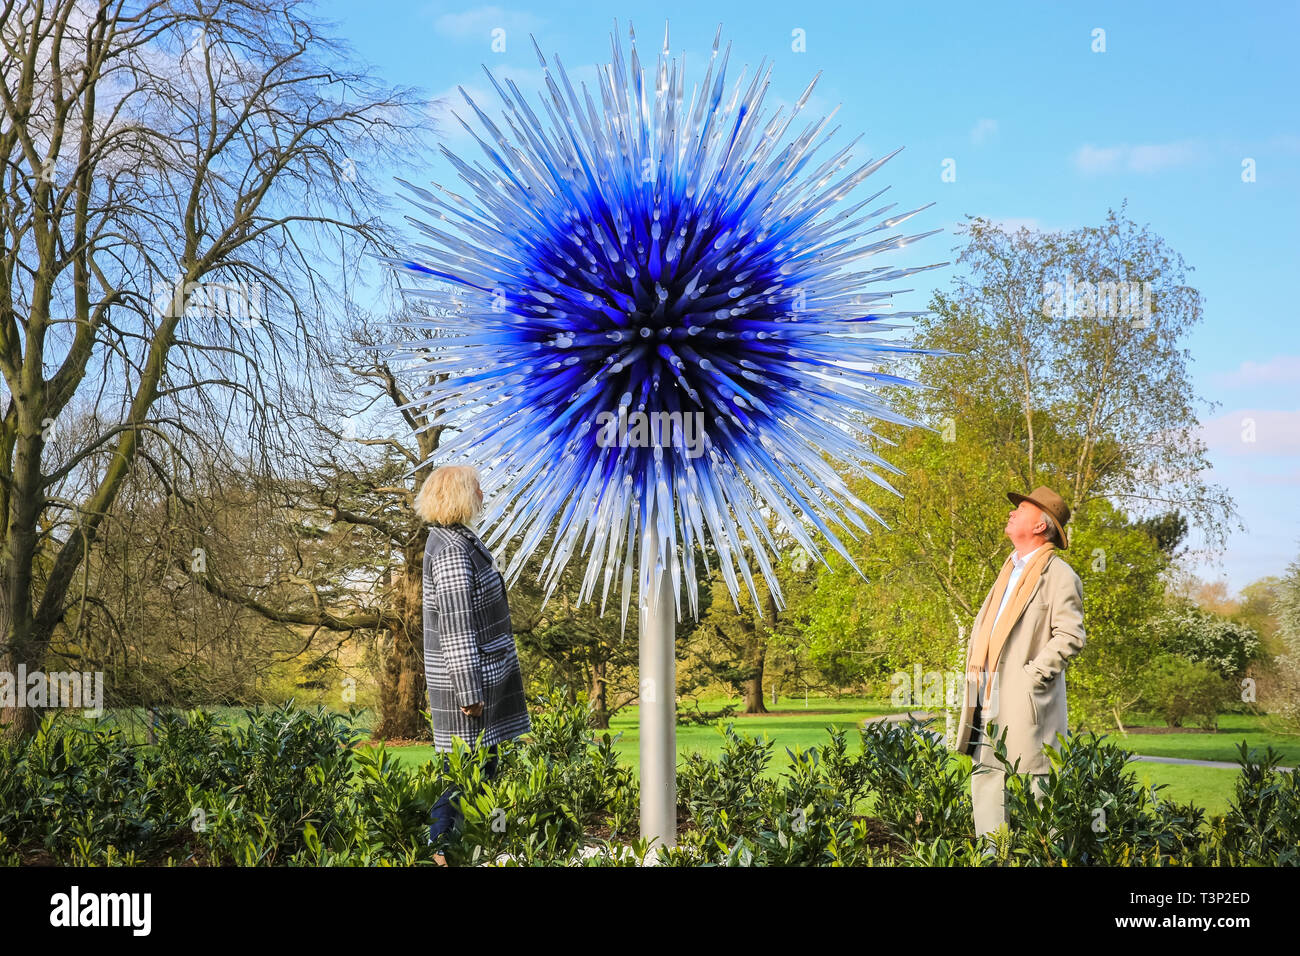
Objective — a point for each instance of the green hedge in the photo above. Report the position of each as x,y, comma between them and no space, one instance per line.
292,788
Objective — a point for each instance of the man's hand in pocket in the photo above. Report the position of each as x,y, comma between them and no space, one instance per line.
1041,677
473,710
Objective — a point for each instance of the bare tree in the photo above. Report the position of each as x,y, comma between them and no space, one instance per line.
353,474
172,174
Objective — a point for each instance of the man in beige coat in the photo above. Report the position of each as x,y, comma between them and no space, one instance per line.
1026,632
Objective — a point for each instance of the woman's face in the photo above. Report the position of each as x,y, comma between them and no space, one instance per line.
479,491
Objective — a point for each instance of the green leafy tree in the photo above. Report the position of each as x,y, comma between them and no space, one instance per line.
1177,688
746,647
1257,610
1285,703
1226,645
1098,406
926,574
1120,566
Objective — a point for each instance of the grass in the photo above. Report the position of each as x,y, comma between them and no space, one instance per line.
1208,787
1211,745
796,730
795,725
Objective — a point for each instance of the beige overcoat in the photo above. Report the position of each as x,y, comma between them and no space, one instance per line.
1028,695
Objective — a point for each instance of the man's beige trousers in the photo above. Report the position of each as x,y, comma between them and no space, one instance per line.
988,788
988,791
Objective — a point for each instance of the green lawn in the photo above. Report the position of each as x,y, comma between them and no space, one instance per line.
792,725
1211,745
795,725
802,727
1210,788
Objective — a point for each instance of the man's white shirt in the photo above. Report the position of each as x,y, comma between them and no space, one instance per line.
1017,566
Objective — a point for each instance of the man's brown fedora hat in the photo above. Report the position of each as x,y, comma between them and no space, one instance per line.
1050,502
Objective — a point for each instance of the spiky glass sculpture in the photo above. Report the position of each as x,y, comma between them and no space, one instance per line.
661,262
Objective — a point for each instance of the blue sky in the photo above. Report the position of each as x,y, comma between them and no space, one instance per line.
1043,131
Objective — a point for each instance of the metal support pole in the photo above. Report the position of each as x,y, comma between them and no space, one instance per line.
658,710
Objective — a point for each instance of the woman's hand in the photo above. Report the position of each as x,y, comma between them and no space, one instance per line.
473,710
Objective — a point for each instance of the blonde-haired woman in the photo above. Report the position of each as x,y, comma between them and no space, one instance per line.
471,665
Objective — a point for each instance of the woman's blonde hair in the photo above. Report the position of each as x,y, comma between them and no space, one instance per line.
449,496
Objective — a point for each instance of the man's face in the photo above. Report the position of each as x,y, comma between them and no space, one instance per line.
1021,521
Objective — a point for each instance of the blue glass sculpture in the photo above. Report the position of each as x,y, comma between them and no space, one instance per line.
656,260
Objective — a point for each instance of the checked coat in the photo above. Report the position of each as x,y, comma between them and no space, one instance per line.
469,646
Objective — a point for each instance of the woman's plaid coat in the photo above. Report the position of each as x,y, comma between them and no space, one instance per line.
469,647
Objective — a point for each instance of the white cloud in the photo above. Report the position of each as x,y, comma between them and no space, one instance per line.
450,99
1251,431
1016,223
1286,478
817,106
983,130
1286,142
1281,369
1148,158
531,82
1094,159
481,21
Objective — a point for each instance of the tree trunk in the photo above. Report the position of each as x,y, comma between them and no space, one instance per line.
756,656
20,721
402,694
20,641
402,690
753,688
599,697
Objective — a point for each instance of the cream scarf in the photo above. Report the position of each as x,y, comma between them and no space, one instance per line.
986,643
